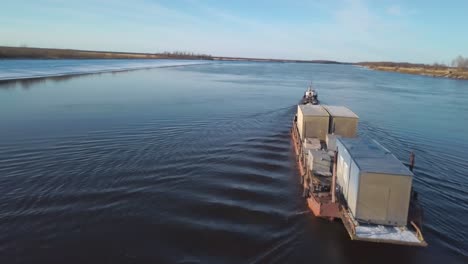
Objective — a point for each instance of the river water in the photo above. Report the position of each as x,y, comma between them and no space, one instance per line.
194,164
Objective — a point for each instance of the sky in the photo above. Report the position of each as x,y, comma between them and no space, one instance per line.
420,31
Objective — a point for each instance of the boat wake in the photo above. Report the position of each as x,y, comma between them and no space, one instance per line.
31,69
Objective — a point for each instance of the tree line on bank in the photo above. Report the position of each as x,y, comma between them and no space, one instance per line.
460,62
186,54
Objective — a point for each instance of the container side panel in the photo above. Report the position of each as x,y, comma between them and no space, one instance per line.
339,172
346,169
372,201
300,122
344,156
316,127
345,127
394,189
353,188
398,204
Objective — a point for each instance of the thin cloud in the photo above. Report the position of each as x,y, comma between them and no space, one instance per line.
394,10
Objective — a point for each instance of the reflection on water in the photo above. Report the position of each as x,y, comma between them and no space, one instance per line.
27,83
194,165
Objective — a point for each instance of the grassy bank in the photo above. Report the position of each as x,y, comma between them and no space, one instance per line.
420,69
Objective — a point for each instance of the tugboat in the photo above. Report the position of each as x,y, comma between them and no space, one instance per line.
352,178
310,97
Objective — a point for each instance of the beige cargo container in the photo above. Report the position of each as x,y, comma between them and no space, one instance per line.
312,121
377,186
343,122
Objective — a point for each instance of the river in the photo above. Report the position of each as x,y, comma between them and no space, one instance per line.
194,164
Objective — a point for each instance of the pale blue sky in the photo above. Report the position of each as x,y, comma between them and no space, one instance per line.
344,30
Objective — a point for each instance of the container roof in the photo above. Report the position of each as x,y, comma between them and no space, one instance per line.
340,111
313,110
362,147
383,165
370,156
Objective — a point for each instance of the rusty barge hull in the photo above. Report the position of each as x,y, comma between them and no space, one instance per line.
321,206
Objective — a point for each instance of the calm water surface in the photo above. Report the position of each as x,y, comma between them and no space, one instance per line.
194,165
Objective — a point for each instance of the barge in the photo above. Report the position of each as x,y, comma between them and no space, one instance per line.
354,179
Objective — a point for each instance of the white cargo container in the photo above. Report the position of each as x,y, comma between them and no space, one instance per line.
343,121
375,184
320,161
312,121
331,141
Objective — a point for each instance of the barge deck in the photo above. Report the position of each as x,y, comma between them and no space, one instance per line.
326,201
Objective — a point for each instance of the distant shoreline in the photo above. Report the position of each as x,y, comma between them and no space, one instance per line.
7,53
418,69
45,53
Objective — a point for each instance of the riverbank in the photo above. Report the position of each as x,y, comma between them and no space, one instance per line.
45,53
54,54
418,69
